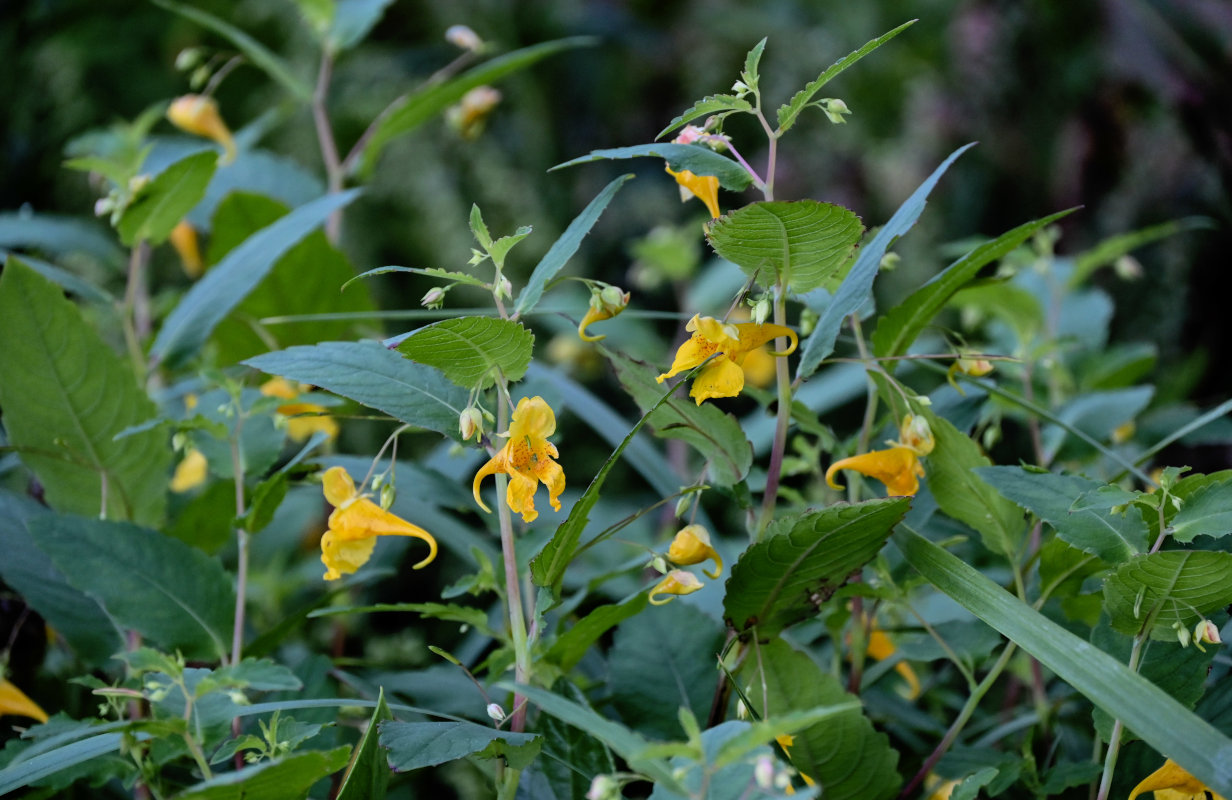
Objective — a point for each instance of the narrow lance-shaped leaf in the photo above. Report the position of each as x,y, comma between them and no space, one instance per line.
1161,721
1113,248
711,105
695,158
855,287
472,351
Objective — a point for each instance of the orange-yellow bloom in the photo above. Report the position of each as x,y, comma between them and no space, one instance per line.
190,472
305,419
703,187
899,466
527,458
676,582
691,545
184,239
975,367
354,525
732,342
198,114
604,304
880,648
14,701
1173,782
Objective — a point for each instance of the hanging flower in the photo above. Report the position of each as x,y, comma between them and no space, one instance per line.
305,419
528,459
690,546
1173,782
676,582
354,525
975,367
14,701
724,375
880,648
184,239
898,467
190,472
604,304
703,187
199,115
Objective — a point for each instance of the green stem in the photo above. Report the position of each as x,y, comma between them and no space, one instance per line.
513,587
774,470
241,574
1114,744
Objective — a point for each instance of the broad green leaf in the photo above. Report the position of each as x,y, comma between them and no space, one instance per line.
547,569
695,158
843,753
853,292
651,680
306,280
231,280
899,327
716,435
367,776
571,757
412,110
788,113
256,172
62,278
413,745
353,20
784,578
1207,512
374,376
253,50
161,205
961,493
564,248
711,105
55,235
286,778
65,395
472,351
1166,588
804,243
574,643
1013,305
1161,721
1112,537
27,570
175,596
1109,250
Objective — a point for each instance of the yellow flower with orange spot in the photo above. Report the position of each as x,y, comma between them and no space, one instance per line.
527,458
14,701
1173,782
690,546
675,583
898,467
198,114
304,419
354,525
730,343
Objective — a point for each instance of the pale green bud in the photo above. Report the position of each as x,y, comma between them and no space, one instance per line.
388,494
470,423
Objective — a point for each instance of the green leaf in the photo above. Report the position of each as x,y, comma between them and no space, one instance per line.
1014,306
63,278
260,172
367,776
650,682
843,753
286,778
802,560
1207,513
254,51
962,494
412,110
472,351
265,500
161,205
27,570
353,20
695,158
574,643
306,280
257,674
1109,250
170,593
788,113
413,745
232,279
35,768
1166,588
1161,721
899,326
804,243
714,104
54,235
752,60
1112,537
65,395
716,435
474,617
566,246
853,292
374,376
571,757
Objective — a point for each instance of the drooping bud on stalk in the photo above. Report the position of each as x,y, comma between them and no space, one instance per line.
470,423
198,114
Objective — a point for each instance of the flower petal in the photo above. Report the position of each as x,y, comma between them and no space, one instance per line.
898,468
521,495
14,701
339,488
722,377
534,418
1171,776
703,187
593,315
342,555
753,336
694,351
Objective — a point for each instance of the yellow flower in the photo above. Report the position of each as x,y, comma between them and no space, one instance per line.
940,788
899,466
472,111
354,525
880,648
305,419
975,367
14,701
604,304
692,546
1173,782
703,187
676,582
190,472
724,375
527,458
184,239
198,114
785,741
